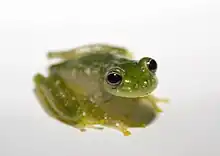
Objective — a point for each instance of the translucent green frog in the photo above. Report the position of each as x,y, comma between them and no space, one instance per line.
100,85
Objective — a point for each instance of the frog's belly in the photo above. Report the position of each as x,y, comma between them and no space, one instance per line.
133,112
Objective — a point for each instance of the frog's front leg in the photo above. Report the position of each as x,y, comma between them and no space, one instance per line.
83,50
57,100
155,100
115,124
120,126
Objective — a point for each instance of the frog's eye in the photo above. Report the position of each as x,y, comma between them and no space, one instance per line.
114,78
152,65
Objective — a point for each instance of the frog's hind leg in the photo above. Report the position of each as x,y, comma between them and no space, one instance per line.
83,50
57,101
47,108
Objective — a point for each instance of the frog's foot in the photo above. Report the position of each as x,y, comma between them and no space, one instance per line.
90,48
154,100
56,100
118,126
122,128
108,123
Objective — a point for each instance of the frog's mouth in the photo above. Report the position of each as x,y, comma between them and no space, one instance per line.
135,94
132,90
130,93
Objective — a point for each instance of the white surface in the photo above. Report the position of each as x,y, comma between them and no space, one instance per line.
183,36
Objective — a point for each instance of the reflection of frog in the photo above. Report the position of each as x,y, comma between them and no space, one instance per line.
99,84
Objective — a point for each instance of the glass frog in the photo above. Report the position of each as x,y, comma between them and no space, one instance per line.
99,85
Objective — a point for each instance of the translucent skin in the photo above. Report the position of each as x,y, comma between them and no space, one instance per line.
77,91
137,80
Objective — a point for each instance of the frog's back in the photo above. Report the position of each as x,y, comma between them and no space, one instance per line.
96,61
97,58
85,72
93,61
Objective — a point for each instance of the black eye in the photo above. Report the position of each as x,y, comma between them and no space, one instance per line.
152,65
113,78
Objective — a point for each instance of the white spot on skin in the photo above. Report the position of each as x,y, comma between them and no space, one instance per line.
92,99
127,81
57,82
87,71
84,113
127,89
62,94
66,104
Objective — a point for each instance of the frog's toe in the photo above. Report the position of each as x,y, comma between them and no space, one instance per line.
159,100
127,133
156,108
38,78
159,110
163,100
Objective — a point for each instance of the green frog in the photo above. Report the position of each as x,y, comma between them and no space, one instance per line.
99,85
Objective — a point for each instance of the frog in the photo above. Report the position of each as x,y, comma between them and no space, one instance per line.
99,86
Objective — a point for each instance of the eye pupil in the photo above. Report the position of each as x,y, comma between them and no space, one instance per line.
152,65
114,78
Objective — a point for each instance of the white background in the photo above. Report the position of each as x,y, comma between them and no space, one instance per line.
182,35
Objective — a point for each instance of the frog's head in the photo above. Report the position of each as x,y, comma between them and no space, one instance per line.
132,79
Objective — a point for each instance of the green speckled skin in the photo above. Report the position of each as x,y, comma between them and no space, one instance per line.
79,91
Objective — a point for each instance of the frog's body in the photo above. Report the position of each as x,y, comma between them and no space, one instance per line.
77,92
